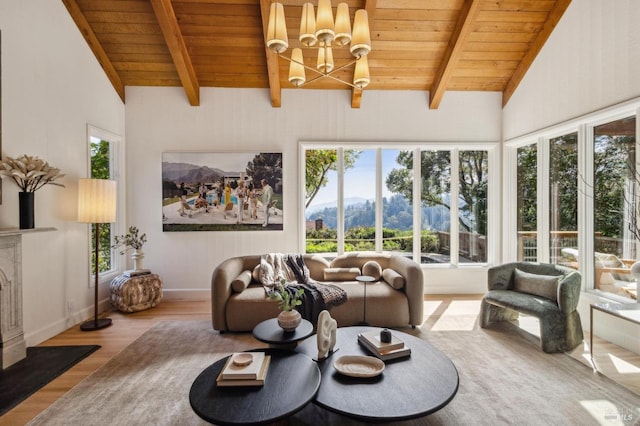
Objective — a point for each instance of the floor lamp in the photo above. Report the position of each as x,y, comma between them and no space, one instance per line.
96,204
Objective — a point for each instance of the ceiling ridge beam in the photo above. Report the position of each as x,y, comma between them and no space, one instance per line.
467,17
95,46
536,46
177,48
273,69
356,94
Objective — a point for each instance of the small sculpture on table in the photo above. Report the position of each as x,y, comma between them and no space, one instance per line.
326,334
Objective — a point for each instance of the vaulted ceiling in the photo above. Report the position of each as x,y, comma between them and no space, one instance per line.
430,45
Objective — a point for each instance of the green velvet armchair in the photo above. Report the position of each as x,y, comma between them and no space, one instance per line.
548,292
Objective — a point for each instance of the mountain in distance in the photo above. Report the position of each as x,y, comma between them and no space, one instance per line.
190,173
334,204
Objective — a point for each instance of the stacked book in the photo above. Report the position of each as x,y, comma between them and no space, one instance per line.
244,369
385,351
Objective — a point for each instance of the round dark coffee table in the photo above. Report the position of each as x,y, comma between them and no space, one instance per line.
292,381
407,388
270,332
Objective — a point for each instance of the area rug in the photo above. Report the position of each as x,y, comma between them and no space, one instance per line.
505,379
42,365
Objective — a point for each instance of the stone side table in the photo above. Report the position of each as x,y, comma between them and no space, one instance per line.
132,294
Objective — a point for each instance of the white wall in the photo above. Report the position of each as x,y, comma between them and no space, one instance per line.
590,62
160,119
52,87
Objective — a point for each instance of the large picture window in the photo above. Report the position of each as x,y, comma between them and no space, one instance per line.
587,215
363,198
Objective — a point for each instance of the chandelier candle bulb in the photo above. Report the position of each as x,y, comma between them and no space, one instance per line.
308,26
361,39
343,25
325,30
277,39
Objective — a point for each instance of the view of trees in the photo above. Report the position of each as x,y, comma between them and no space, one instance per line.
100,169
318,164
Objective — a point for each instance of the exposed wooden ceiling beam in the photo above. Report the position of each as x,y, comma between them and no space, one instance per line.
554,17
370,7
272,59
173,36
95,46
467,17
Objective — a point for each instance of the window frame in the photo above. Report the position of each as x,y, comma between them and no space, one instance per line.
584,125
117,161
493,197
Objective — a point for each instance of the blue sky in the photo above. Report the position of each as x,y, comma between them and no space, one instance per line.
359,180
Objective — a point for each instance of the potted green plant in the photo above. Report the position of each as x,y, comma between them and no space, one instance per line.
132,240
289,319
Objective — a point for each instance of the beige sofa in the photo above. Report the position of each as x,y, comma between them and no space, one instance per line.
242,309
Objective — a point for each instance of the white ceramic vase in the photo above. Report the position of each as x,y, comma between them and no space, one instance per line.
137,257
289,320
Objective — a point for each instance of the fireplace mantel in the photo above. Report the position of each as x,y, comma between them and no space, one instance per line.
12,343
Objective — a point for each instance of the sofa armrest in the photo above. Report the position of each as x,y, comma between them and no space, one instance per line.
569,289
414,286
221,279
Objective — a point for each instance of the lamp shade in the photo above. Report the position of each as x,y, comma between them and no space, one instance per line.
325,60
97,201
361,38
325,30
277,40
308,26
361,73
296,68
343,25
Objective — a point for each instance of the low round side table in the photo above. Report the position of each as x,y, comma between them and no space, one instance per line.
282,394
364,279
270,332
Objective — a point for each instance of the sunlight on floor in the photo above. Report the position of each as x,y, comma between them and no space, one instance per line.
606,413
461,315
622,366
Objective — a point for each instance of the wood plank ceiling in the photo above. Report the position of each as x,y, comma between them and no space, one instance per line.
430,45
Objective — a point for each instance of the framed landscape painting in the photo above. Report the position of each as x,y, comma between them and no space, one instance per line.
221,191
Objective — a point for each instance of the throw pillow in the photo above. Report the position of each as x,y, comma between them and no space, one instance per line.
372,269
241,282
256,273
394,279
539,285
341,274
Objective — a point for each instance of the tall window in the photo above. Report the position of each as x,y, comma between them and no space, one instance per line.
103,160
615,189
527,198
563,195
378,206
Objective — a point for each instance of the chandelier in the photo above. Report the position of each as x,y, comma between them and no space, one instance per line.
321,32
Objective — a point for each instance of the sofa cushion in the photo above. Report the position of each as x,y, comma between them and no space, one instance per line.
241,282
255,274
341,274
373,269
539,285
393,278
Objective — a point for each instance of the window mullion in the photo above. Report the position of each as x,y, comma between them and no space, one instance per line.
454,218
340,212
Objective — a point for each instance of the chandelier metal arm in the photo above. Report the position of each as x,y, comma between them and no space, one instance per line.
322,74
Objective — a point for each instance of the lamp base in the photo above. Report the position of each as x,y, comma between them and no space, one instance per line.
93,325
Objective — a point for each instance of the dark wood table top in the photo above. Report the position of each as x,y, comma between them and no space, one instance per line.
407,388
291,383
269,331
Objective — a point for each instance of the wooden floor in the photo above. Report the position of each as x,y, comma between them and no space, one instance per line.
441,313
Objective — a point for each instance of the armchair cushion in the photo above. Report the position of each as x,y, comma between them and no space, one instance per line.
539,285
